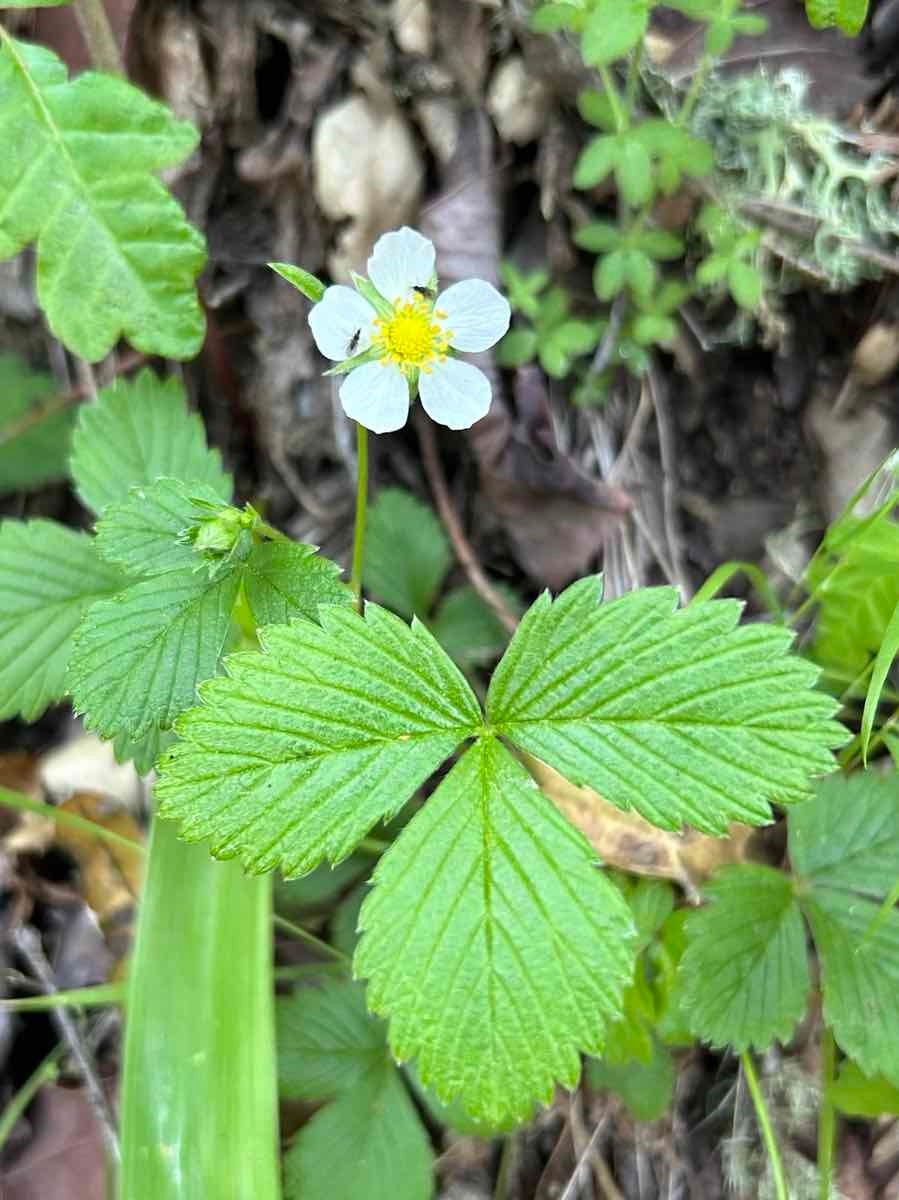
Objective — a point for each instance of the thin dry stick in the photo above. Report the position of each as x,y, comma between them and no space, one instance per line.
605,1181
669,481
28,943
463,548
57,403
99,36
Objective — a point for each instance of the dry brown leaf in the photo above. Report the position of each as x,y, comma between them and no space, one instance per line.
627,841
110,873
368,172
23,832
64,1159
517,101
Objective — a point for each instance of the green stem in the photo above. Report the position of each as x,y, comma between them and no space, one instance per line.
827,1121
101,996
633,77
700,75
618,110
303,935
45,1073
361,507
765,1127
99,36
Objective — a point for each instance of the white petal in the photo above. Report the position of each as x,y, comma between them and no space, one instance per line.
335,321
401,261
376,396
476,314
455,394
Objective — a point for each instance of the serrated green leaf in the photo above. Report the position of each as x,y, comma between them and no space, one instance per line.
641,274
660,244
518,347
745,283
285,579
847,15
568,341
327,1040
712,269
682,715
39,453
610,274
523,288
143,751
137,658
596,161
744,977
305,282
860,976
369,1142
613,28
645,1088
491,941
651,330
49,577
407,554
297,753
847,835
468,630
860,1095
116,256
146,533
136,432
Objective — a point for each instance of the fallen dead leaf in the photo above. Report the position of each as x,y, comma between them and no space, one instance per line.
64,1159
625,840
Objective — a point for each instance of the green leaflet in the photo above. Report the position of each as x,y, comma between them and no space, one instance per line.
38,454
646,1088
327,1041
492,942
49,576
137,658
116,256
847,15
613,28
681,715
860,1095
302,749
744,976
407,554
135,432
310,286
283,580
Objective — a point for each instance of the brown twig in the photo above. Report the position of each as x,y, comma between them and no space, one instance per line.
99,36
463,548
665,427
57,403
28,943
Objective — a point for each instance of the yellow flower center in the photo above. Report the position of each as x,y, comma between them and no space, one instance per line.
410,337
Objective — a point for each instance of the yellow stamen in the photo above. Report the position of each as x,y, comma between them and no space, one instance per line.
410,337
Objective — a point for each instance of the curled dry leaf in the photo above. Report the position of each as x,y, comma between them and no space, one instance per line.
517,101
413,26
625,840
368,172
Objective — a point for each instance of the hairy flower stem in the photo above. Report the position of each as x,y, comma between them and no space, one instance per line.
765,1127
826,1115
361,509
99,36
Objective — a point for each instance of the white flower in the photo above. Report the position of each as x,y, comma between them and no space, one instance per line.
409,339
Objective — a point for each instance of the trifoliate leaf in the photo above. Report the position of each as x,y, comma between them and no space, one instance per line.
682,715
30,454
368,1142
468,630
297,753
491,941
327,1041
115,255
133,434
645,1088
847,15
49,577
137,658
847,835
860,1095
743,979
285,579
613,28
147,533
859,976
407,554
